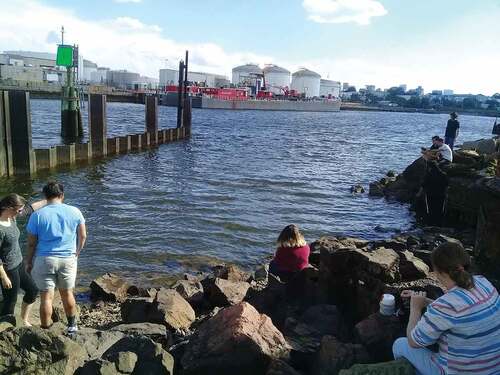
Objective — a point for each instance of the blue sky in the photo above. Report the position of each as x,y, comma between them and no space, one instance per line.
438,44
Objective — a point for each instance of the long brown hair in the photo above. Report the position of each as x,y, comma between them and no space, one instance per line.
451,258
290,236
11,201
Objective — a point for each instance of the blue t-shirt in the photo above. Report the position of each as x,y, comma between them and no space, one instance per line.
55,226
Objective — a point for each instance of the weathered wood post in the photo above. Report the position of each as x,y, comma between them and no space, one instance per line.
186,117
97,125
17,120
4,170
151,104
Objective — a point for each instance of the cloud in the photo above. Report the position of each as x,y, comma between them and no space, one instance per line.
343,11
119,43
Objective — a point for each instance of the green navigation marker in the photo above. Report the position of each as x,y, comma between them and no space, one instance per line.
64,55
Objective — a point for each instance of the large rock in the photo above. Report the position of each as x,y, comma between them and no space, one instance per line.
191,291
238,340
377,333
230,272
278,367
170,309
411,267
399,367
109,287
335,355
156,332
135,310
482,146
224,292
94,342
332,244
37,351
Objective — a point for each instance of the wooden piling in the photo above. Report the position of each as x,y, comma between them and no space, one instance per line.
83,152
66,155
151,105
124,145
4,170
113,146
136,142
17,119
97,124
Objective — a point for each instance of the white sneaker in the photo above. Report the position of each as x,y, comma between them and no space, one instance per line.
72,329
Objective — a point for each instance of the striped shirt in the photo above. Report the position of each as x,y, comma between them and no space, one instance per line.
466,325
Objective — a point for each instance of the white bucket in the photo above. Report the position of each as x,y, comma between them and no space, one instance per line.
387,305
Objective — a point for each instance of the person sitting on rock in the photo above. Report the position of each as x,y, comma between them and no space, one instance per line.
443,154
464,321
292,254
434,145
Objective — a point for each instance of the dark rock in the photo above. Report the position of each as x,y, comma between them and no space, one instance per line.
238,340
135,310
336,243
98,367
224,292
230,272
170,309
152,359
156,332
94,342
36,351
412,242
487,248
109,287
325,319
411,267
377,333
424,256
191,291
136,291
261,274
391,173
278,367
394,244
335,355
399,367
357,189
125,361
376,189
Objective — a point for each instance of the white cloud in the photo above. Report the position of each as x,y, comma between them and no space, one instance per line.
343,11
120,43
127,1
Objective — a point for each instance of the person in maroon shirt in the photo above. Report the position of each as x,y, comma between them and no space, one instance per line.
292,254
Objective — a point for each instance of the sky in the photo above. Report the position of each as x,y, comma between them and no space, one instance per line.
438,44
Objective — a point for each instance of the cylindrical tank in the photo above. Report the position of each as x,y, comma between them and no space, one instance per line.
277,78
329,88
245,75
306,82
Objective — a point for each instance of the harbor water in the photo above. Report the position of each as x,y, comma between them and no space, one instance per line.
225,194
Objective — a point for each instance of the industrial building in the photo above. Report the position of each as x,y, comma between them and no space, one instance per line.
170,77
277,78
246,75
32,67
306,82
123,79
328,88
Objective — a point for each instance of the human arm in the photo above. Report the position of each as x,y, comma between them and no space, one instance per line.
4,278
82,237
32,241
39,204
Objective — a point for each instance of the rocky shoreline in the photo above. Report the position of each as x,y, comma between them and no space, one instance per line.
324,321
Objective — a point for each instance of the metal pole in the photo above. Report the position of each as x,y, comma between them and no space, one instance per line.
186,74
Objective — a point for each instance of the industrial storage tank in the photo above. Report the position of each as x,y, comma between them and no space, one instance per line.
277,78
306,82
329,88
245,74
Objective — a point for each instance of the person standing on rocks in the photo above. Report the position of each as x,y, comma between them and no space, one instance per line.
452,130
56,236
13,275
464,321
292,254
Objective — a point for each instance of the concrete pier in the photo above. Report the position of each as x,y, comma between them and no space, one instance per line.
97,124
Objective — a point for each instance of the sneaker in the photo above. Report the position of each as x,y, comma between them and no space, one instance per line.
72,329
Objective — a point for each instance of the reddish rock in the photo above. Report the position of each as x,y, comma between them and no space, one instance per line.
411,267
224,292
109,287
238,340
230,272
191,291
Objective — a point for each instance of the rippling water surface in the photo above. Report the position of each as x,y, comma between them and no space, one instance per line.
228,191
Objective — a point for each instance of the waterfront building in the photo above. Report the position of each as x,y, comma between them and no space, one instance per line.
122,78
99,76
447,92
277,78
329,88
170,77
404,87
85,70
246,75
306,82
345,86
370,88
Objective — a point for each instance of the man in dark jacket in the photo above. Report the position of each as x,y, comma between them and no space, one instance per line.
452,129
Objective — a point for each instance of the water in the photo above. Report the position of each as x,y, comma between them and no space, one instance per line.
226,193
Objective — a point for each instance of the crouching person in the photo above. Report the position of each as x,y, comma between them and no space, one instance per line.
56,236
464,321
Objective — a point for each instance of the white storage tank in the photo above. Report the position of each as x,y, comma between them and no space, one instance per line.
306,82
329,88
277,78
245,74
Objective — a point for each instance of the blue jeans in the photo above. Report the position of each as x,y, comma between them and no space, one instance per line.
450,141
420,358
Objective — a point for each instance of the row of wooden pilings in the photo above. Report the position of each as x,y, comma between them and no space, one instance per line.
17,156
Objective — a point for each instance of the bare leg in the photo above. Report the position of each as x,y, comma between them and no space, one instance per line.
46,298
68,300
25,313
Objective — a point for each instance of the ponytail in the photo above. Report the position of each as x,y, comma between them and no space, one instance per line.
451,258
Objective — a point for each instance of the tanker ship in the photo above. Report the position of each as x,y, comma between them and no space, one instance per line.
266,89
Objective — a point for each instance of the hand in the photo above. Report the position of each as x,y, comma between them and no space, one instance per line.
29,267
6,283
418,301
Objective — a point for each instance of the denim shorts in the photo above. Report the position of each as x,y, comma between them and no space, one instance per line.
54,272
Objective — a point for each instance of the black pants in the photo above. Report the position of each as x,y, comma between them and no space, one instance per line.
20,280
435,213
